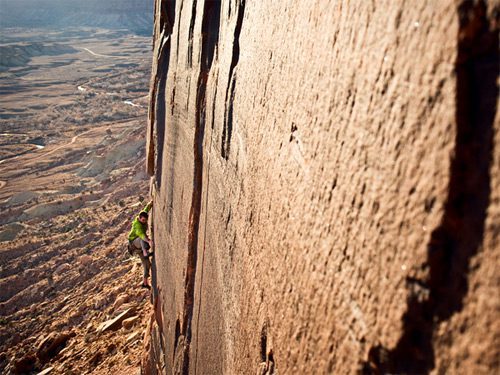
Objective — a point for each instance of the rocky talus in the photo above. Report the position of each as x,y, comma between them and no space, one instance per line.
70,301
327,187
72,180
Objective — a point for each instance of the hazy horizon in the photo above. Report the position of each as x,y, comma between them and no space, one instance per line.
133,15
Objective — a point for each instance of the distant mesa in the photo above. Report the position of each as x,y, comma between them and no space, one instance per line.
19,54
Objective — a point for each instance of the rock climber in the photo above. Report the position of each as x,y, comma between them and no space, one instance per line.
140,243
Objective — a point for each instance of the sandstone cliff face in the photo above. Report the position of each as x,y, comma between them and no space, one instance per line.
326,186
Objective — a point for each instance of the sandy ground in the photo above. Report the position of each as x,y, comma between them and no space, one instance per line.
71,180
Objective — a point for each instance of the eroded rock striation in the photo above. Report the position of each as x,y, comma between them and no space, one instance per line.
326,186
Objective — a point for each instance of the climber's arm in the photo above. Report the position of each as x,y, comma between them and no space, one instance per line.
148,207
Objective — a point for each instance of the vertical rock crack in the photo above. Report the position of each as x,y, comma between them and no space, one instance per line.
210,36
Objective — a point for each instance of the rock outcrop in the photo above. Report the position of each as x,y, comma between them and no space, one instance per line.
326,185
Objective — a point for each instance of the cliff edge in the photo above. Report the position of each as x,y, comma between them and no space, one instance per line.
326,186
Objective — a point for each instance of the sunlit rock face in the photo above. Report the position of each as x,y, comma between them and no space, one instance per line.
133,15
326,186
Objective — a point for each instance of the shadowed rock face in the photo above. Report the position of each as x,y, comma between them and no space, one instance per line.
134,15
326,186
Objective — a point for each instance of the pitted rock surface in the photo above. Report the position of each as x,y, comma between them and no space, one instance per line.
326,187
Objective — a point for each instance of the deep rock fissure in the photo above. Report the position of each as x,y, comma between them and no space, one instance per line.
157,102
167,20
231,85
205,230
459,236
160,124
179,31
190,36
210,29
194,222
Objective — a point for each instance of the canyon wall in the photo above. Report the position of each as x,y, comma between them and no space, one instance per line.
326,187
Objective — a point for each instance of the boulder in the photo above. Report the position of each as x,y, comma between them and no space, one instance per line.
52,344
125,306
130,322
85,259
120,300
100,302
24,365
133,336
62,268
30,273
115,323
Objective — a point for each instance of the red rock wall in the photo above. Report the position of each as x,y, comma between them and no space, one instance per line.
326,186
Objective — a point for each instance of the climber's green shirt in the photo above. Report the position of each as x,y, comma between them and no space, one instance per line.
139,229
